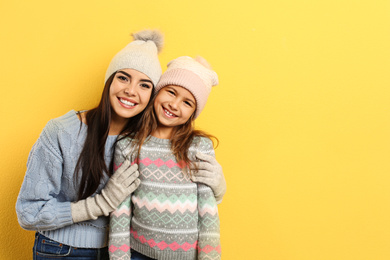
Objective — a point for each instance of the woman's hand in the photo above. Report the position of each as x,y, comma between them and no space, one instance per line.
210,173
121,184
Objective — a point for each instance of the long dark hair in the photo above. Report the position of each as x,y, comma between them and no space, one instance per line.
91,164
181,138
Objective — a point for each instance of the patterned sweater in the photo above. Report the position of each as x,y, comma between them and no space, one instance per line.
168,217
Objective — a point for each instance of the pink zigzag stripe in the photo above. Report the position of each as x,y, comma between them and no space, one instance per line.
169,206
207,249
208,209
175,246
121,211
162,245
159,162
123,248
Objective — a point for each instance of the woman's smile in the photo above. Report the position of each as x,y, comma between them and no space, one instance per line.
127,103
130,93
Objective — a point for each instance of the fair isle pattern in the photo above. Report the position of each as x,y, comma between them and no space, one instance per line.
158,175
168,217
127,149
160,163
162,245
175,246
119,242
161,202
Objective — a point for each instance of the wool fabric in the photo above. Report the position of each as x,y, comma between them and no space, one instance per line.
48,188
168,217
141,55
195,75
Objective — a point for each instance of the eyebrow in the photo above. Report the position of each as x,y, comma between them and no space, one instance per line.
127,74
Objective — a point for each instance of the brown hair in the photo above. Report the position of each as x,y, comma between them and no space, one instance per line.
181,138
91,165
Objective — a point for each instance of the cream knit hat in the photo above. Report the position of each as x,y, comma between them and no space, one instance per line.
141,55
195,75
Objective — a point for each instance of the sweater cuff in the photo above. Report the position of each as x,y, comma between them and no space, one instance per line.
64,214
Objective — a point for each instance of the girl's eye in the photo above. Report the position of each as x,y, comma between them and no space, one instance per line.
188,103
171,92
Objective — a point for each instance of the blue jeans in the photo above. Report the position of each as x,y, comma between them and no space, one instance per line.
47,249
138,256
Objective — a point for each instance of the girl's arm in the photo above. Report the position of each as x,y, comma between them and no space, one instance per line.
119,234
209,246
210,173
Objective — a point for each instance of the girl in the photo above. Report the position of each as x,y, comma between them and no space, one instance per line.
67,193
168,216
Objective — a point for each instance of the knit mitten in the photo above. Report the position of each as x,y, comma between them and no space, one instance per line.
122,183
210,173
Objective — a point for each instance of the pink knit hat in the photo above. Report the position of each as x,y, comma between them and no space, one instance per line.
195,75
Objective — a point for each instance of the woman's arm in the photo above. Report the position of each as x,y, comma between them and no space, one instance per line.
41,204
206,169
38,206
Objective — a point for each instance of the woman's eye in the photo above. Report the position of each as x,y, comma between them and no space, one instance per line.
123,78
146,86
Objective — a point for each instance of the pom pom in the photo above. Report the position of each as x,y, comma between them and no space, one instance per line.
203,61
150,35
213,75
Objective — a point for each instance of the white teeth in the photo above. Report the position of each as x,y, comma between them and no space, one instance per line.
126,102
167,112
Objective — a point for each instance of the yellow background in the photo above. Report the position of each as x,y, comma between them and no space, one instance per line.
302,111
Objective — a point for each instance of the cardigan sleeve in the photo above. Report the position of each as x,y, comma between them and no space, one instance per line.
39,206
209,246
119,234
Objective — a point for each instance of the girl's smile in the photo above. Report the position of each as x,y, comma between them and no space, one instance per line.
168,113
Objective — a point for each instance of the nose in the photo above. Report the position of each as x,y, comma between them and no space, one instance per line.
131,89
174,104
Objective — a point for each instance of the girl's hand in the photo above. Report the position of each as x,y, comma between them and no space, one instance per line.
210,173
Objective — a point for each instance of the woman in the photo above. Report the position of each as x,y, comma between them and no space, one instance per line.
67,194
